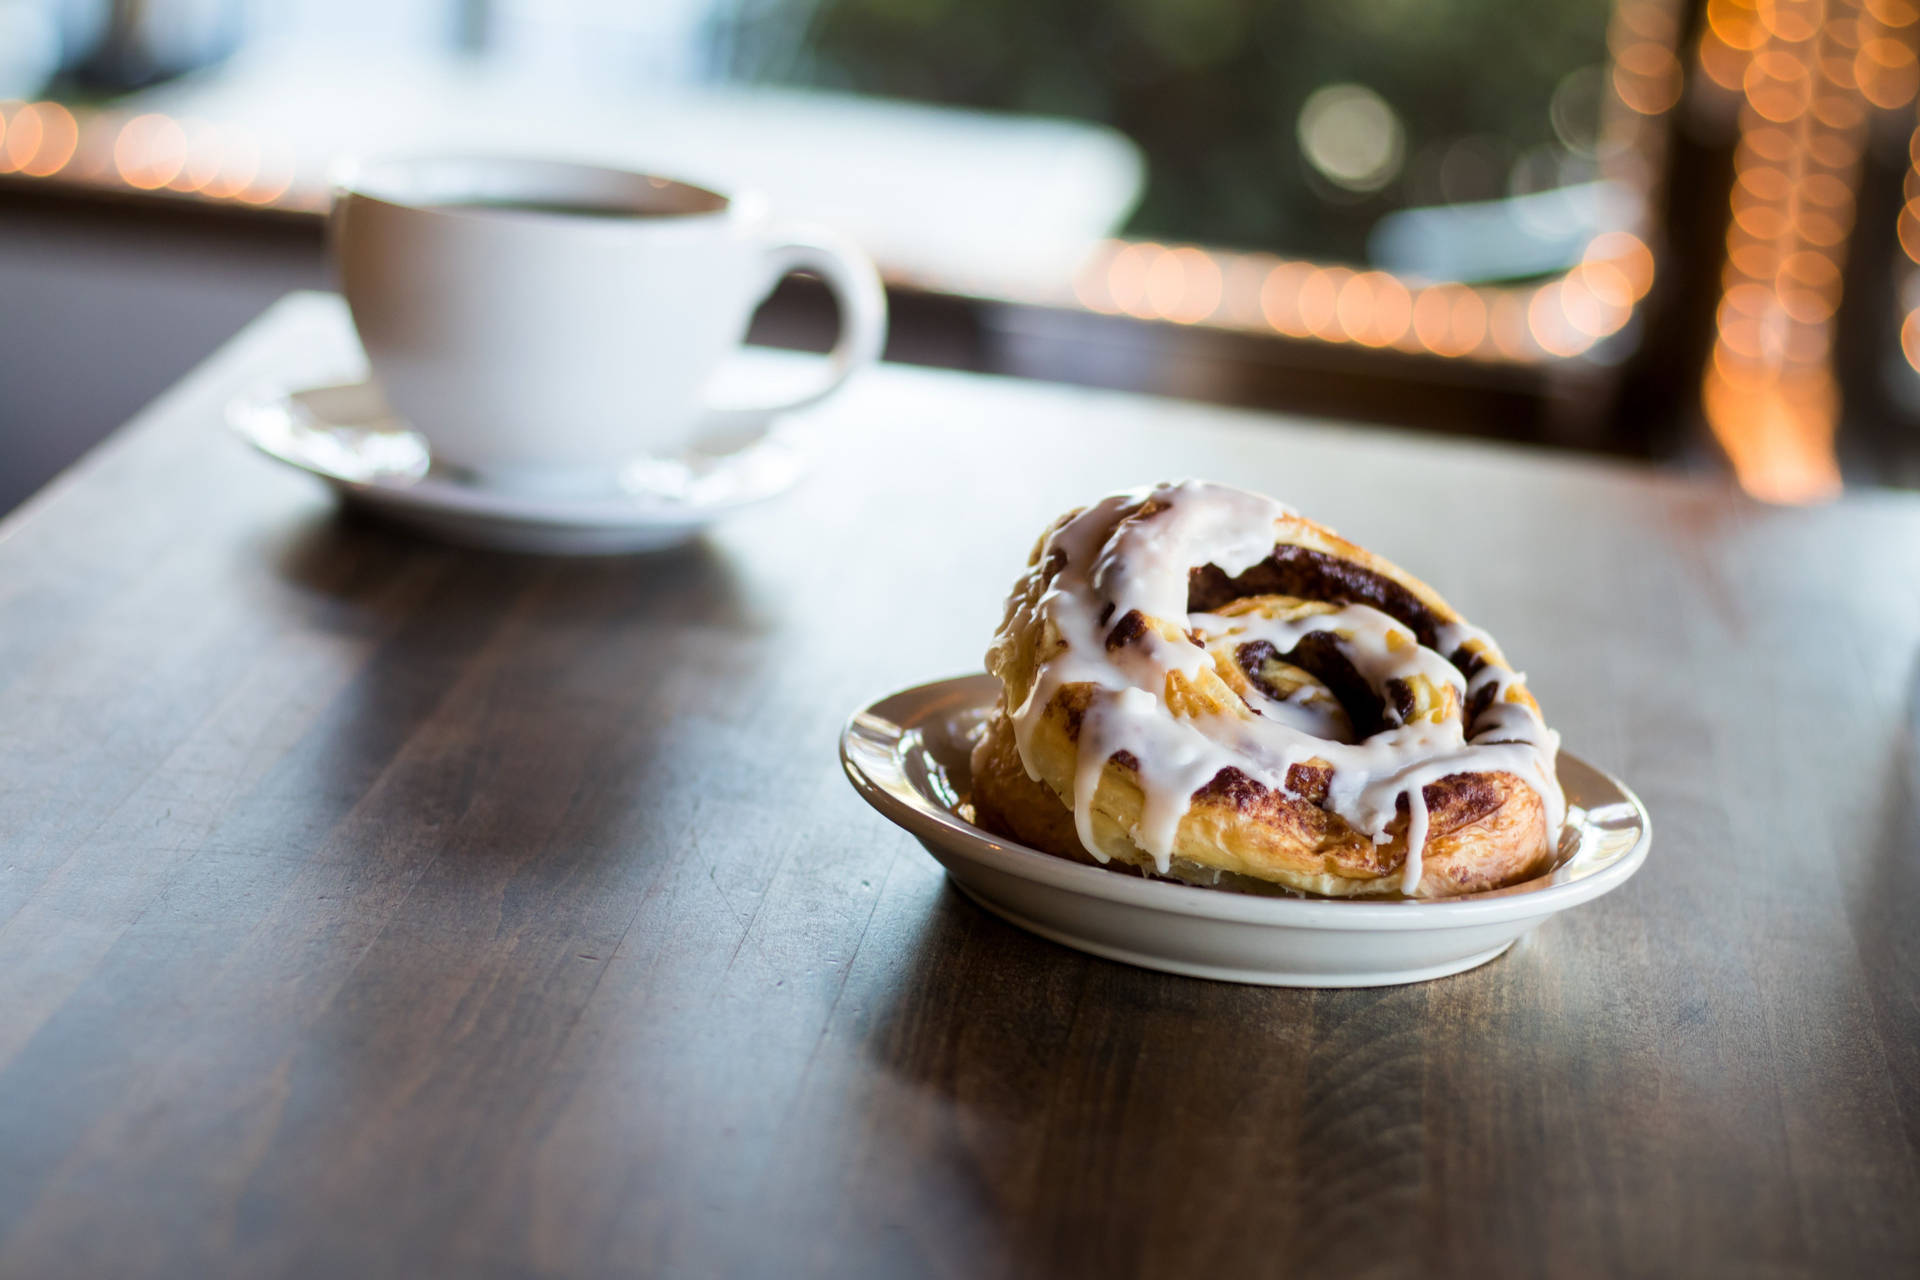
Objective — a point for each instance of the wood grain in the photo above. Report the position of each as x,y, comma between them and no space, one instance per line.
373,908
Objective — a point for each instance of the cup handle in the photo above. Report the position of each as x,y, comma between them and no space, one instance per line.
855,285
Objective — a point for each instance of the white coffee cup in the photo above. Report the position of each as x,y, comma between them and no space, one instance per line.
542,323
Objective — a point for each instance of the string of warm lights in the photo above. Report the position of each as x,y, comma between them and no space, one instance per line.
149,152
1808,72
1909,232
1255,292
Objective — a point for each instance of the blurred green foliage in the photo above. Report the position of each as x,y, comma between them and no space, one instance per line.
1211,90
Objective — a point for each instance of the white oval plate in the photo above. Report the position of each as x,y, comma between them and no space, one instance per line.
347,436
907,754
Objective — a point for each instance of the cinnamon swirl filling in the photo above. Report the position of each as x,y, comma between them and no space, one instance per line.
1207,681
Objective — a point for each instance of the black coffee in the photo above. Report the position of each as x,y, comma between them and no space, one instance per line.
562,208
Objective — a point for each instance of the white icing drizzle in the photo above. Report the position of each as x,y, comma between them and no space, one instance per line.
1111,565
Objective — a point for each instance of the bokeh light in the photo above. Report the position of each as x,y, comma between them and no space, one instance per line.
150,151
1352,137
1280,295
1507,324
1647,77
1127,279
1809,72
239,162
21,142
40,140
1320,302
1184,285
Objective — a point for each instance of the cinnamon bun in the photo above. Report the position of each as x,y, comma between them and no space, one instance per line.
1201,683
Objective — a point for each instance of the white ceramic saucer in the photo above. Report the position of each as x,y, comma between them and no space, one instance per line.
347,436
908,756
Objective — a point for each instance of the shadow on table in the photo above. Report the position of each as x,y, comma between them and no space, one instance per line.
1050,1091
1881,911
347,555
491,703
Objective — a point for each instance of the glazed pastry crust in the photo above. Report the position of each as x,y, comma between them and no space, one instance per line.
1488,830
1485,829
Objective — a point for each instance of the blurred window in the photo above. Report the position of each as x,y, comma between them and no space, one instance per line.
1413,135
1299,126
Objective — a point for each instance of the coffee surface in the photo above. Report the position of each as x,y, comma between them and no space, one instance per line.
562,208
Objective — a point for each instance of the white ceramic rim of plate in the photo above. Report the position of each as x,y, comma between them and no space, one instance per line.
872,751
269,420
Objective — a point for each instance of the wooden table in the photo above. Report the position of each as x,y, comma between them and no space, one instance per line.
374,908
